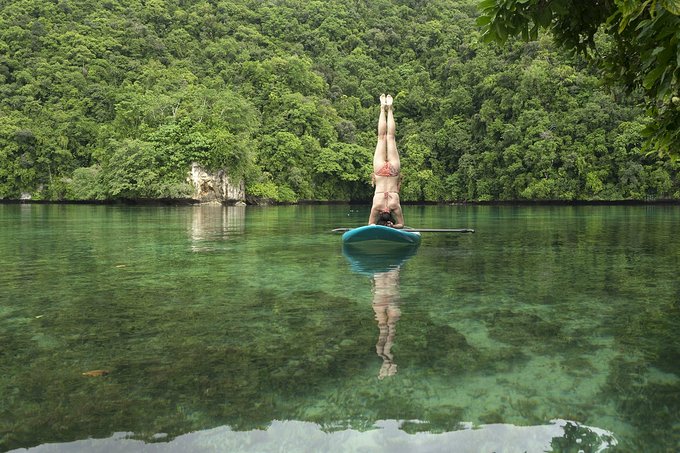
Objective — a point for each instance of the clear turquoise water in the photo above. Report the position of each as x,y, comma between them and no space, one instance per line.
248,329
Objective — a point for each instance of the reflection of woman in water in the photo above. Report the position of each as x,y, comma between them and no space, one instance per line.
386,209
387,313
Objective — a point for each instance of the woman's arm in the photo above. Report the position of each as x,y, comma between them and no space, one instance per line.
399,217
373,216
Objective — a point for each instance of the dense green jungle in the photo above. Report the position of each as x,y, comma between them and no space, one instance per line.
112,99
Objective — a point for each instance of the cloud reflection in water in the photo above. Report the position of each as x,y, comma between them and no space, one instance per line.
388,436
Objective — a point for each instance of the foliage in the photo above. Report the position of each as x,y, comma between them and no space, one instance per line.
111,99
84,185
642,51
270,191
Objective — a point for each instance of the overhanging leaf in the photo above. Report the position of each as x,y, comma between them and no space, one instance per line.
544,17
501,31
486,4
652,77
672,6
483,20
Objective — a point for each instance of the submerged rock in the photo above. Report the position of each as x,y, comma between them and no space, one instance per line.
96,373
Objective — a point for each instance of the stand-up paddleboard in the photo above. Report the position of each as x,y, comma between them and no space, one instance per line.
380,233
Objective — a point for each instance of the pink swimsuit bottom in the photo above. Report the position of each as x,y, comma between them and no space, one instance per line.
387,170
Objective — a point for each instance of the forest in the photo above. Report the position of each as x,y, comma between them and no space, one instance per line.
113,100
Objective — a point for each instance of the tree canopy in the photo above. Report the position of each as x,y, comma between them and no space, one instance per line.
639,47
112,99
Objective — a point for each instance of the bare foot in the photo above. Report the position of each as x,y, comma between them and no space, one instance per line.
382,100
388,101
384,370
387,369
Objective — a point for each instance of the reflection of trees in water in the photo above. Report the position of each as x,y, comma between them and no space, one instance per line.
387,313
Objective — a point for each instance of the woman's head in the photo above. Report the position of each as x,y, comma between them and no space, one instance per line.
385,218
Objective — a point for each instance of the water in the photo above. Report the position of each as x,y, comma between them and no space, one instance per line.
248,329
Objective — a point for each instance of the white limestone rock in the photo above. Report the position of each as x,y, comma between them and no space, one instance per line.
215,187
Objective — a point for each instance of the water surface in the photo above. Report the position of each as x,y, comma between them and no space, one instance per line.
549,329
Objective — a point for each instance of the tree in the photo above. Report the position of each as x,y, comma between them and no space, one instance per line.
641,49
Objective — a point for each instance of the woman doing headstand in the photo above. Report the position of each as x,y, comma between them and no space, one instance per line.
386,209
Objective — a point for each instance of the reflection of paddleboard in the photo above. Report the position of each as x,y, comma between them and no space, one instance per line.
380,233
373,260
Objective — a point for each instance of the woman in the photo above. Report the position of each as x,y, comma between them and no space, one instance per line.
386,209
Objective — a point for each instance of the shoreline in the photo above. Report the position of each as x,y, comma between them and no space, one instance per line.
266,203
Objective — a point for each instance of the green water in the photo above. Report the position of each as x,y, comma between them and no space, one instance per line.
243,328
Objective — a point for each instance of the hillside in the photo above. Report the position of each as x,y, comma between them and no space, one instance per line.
108,99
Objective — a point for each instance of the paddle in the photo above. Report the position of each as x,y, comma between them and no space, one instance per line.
423,230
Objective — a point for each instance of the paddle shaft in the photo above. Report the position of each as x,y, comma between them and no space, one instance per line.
420,230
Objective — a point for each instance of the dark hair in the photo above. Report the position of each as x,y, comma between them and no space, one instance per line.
384,217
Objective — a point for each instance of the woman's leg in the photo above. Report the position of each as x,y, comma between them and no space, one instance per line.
392,153
380,156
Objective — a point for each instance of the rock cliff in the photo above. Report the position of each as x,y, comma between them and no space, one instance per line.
215,187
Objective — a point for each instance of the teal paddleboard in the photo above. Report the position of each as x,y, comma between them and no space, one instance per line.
379,233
